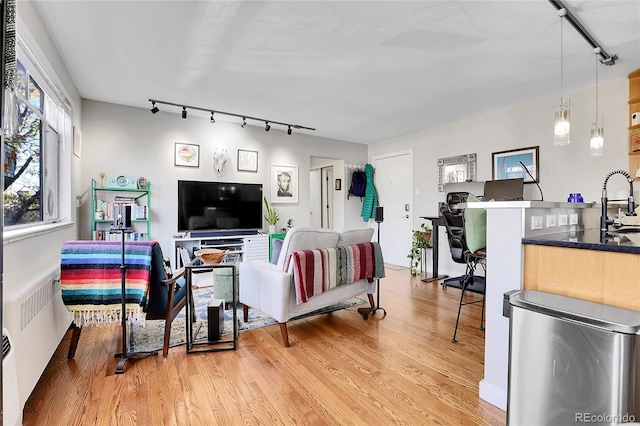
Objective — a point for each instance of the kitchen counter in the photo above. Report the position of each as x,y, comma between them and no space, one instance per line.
619,241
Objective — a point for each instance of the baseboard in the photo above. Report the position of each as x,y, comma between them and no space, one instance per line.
493,394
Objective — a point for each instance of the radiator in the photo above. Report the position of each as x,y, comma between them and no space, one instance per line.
36,319
12,411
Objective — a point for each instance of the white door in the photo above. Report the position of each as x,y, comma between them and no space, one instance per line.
394,183
327,197
315,198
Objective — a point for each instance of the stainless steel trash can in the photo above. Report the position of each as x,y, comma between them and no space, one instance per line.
571,361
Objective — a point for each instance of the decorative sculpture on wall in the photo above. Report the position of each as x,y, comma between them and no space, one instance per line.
220,158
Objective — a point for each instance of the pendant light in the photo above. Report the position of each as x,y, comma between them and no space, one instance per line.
596,143
562,125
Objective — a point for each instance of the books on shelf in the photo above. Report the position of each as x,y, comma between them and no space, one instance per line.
138,212
108,235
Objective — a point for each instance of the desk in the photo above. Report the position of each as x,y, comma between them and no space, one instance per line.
206,345
436,222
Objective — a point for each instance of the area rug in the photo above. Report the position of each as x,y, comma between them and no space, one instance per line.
149,337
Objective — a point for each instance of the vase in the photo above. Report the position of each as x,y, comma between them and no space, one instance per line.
272,229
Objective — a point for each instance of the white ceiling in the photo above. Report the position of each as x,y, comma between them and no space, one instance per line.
361,71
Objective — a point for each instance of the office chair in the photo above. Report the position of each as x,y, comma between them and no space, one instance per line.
454,219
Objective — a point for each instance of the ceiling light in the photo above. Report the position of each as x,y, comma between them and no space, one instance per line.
596,143
184,112
213,120
267,127
562,126
289,130
244,122
154,108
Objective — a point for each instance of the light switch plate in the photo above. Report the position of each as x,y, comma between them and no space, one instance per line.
551,220
573,218
536,222
562,219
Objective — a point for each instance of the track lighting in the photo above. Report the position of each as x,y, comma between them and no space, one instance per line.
267,123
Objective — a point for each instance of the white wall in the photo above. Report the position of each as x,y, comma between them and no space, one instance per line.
121,140
562,169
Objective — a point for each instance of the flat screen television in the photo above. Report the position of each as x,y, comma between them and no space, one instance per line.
219,206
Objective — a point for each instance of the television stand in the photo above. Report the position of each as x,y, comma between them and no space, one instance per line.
247,245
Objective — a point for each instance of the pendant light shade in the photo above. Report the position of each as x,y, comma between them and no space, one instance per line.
596,143
562,125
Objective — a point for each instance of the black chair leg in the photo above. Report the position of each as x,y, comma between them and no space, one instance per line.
484,298
468,277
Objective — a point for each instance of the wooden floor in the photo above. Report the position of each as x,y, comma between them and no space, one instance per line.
400,369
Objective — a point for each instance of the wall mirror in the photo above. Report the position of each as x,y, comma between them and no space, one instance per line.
461,168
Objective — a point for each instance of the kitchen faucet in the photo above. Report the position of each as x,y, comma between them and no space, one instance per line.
604,220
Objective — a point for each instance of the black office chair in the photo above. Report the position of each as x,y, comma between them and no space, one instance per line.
460,253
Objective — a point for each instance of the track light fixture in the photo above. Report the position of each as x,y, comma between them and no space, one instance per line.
268,123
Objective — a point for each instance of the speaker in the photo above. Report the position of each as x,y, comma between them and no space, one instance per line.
379,214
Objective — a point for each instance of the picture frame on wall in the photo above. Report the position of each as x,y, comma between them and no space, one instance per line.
338,186
284,183
506,164
187,155
247,161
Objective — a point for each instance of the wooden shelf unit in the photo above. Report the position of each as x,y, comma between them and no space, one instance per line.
634,129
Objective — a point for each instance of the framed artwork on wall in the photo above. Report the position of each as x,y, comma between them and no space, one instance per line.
187,155
247,160
284,183
338,185
506,164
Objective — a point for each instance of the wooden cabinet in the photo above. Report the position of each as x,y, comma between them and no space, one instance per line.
634,124
137,204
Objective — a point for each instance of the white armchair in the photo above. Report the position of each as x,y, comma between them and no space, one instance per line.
270,288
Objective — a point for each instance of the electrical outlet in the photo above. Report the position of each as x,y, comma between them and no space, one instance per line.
536,222
562,219
573,219
551,220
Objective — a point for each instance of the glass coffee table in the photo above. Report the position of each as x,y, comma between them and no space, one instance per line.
204,344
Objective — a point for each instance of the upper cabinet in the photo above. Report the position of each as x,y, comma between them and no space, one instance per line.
634,124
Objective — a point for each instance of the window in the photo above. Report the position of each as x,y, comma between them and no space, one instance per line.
31,157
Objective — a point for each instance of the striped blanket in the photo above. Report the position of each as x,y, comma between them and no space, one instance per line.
91,279
317,271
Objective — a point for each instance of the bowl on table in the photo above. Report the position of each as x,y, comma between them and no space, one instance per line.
211,256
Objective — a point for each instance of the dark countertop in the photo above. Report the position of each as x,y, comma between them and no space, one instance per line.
590,239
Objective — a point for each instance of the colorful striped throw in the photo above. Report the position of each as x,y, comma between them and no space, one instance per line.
317,271
91,280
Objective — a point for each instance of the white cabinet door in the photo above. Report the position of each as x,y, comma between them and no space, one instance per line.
256,247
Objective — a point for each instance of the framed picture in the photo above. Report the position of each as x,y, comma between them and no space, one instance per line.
247,160
284,184
187,155
506,164
338,184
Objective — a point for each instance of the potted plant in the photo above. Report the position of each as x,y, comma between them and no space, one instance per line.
421,239
271,216
289,226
